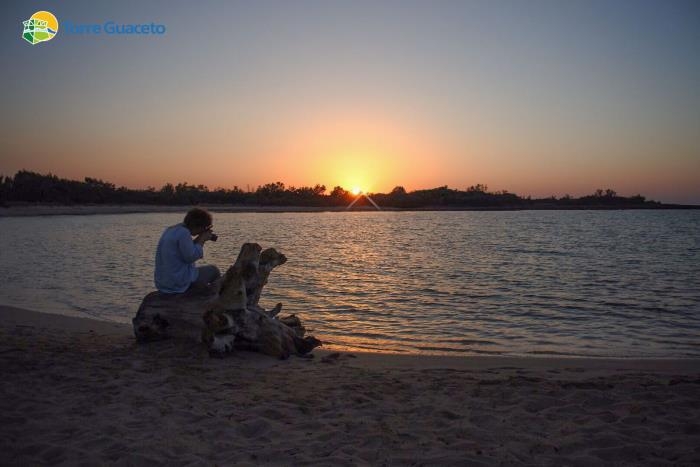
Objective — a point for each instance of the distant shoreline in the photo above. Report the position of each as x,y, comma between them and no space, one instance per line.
24,210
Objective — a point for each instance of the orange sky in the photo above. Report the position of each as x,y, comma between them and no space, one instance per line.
539,99
366,147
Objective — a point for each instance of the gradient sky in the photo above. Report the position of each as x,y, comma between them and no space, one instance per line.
535,97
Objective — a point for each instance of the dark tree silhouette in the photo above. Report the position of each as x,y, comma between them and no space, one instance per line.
31,187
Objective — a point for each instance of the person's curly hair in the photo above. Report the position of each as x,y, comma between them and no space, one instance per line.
198,218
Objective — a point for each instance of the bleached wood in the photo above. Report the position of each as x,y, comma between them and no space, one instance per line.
227,315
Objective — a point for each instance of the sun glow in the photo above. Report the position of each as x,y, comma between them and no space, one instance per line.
362,150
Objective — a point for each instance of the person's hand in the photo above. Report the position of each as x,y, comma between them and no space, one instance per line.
203,237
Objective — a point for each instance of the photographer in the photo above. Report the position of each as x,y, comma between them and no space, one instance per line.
176,254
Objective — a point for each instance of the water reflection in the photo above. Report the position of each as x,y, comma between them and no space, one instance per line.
554,283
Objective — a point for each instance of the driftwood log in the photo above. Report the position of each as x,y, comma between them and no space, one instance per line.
226,315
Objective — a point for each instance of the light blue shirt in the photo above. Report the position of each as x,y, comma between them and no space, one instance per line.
175,257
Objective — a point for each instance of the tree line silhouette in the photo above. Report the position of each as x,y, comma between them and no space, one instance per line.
32,187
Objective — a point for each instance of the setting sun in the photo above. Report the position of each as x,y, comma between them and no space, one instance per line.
356,190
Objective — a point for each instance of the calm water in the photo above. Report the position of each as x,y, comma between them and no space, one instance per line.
610,283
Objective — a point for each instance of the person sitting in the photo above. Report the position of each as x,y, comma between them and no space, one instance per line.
177,253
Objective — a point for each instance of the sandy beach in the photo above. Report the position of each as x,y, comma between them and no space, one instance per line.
79,391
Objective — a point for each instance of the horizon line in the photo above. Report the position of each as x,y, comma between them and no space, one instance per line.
328,188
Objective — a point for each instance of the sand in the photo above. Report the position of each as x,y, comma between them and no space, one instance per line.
78,391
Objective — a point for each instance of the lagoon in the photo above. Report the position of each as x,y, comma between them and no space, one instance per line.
547,283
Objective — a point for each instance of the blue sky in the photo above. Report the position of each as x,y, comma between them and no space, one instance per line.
536,97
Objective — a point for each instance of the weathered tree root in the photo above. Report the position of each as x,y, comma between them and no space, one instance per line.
226,315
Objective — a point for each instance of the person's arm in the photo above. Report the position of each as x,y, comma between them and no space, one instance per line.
203,237
191,251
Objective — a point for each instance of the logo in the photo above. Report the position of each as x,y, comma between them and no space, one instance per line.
41,27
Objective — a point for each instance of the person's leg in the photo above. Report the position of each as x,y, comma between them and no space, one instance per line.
207,274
